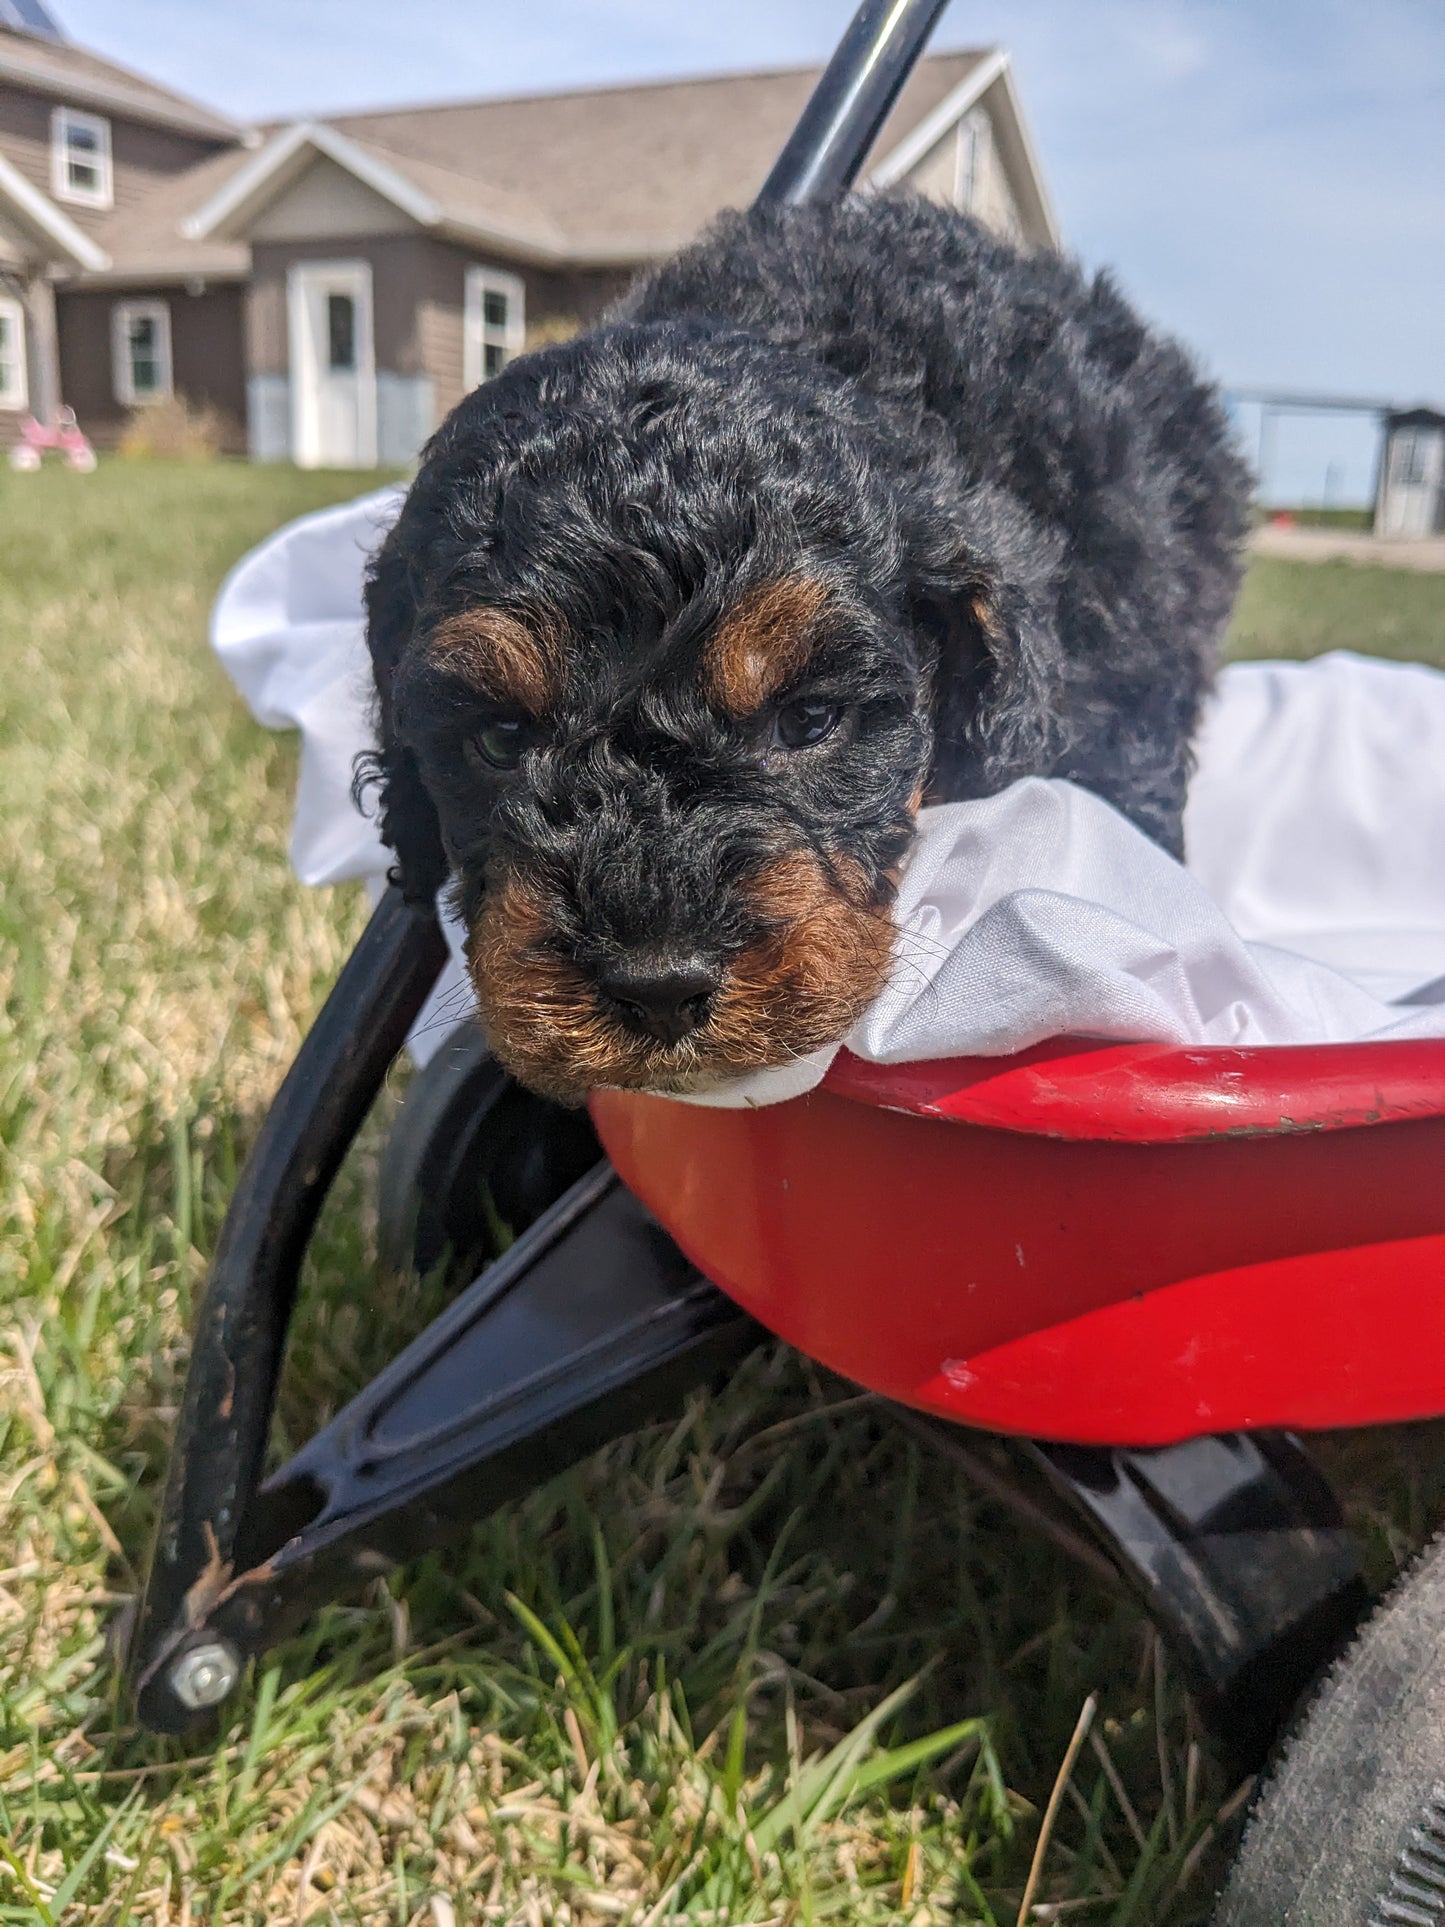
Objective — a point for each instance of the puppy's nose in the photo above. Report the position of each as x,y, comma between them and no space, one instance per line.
662,994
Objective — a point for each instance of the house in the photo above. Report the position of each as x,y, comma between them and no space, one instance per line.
331,288
103,304
1411,498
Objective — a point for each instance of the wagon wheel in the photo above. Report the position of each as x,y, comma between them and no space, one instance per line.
1350,1830
471,1161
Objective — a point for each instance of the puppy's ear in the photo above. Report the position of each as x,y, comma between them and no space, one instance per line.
984,601
409,823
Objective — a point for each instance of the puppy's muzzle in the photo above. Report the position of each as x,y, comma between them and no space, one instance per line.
676,1012
663,993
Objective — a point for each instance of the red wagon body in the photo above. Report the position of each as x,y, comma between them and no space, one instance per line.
1123,1244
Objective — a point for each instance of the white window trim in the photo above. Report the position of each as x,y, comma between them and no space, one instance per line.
122,372
480,283
61,122
17,397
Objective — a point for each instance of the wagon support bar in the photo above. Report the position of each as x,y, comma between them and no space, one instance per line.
220,1441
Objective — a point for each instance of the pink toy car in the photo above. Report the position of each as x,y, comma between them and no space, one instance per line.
63,435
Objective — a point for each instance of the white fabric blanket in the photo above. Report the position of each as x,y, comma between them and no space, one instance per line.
1311,910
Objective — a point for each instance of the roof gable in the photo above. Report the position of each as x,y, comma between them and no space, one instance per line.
327,202
430,195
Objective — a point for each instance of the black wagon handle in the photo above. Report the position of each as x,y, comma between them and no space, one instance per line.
855,94
218,1453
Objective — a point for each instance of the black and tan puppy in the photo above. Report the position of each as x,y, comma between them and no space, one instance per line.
840,509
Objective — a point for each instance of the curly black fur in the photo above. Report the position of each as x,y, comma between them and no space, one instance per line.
1023,504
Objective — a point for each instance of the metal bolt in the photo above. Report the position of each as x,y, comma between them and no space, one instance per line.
205,1674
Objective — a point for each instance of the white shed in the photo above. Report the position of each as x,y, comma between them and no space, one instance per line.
1412,474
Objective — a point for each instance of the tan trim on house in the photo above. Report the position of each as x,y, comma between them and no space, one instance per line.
45,397
1021,157
172,271
46,220
990,86
930,131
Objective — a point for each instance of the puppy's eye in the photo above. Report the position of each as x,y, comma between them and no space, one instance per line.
501,743
801,724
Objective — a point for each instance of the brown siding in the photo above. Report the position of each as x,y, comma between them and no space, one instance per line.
399,269
209,349
140,155
418,288
266,350
551,297
83,324
25,134
207,357
439,323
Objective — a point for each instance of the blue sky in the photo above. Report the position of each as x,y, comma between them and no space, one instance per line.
1267,177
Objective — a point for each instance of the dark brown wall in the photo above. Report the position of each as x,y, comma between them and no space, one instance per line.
140,155
585,292
207,356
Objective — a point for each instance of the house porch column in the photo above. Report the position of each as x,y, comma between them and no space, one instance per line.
44,345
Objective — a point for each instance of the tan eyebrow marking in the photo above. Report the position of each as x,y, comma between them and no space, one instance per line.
762,643
516,662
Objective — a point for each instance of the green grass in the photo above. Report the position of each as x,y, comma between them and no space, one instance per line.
1305,608
770,1664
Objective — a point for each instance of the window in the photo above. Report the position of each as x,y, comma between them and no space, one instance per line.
141,351
13,386
341,334
494,324
80,158
1410,458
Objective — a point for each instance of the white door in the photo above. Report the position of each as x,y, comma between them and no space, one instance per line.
333,365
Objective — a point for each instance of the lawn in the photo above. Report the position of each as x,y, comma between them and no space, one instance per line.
771,1664
1304,608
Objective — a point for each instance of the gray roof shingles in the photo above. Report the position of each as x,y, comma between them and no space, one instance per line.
632,171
